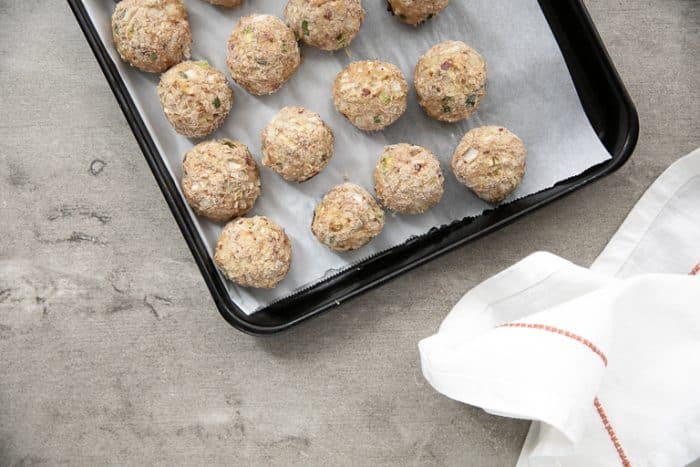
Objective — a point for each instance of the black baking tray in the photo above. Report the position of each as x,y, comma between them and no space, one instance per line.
605,101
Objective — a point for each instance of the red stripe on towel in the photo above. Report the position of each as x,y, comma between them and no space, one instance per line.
611,433
563,332
596,402
696,270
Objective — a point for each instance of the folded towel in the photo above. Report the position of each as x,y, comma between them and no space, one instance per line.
605,360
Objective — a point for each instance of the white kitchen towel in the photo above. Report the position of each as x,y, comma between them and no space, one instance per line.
606,360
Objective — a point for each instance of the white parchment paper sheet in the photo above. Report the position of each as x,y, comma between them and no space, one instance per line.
530,91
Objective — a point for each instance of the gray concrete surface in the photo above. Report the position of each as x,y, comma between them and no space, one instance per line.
112,352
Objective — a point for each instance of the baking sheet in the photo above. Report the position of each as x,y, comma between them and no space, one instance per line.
530,91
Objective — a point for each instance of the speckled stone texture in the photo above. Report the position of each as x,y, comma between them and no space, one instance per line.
111,349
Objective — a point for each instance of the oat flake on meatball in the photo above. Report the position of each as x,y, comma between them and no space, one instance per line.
491,162
262,54
371,94
254,252
408,179
415,12
325,24
347,218
151,35
220,179
226,3
297,144
196,98
450,81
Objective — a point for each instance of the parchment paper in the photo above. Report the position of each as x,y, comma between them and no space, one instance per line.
530,91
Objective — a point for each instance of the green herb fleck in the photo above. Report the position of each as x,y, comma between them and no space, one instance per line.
385,164
285,48
153,56
471,100
183,75
384,98
217,102
377,119
305,27
340,38
261,61
116,29
202,64
228,143
249,34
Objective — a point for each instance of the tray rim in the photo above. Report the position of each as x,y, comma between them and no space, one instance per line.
227,308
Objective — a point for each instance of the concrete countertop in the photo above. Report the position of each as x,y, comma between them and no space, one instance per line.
112,351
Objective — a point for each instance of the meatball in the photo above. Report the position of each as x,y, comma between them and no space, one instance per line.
220,179
415,12
262,54
450,81
371,94
226,3
347,218
196,98
408,179
490,161
151,35
254,252
297,144
325,24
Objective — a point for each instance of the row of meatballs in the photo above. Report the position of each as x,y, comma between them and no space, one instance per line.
221,181
263,54
154,35
450,82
